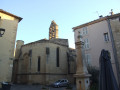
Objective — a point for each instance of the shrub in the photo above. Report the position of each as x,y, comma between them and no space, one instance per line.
94,79
69,87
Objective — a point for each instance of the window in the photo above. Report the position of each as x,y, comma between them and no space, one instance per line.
57,57
86,43
39,64
47,50
88,59
80,33
106,37
30,52
62,81
85,31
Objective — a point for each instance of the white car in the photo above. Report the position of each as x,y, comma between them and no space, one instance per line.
60,83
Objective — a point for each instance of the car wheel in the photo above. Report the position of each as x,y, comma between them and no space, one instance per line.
58,86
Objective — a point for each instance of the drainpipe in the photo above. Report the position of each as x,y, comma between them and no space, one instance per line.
114,51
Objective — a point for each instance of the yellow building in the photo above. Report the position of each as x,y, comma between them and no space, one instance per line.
9,22
44,61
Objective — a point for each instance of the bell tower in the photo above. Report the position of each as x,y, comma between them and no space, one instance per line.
53,30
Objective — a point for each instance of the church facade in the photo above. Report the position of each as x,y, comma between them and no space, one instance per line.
44,61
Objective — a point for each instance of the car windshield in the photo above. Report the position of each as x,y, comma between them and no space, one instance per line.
57,81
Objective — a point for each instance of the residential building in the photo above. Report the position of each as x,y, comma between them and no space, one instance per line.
103,33
9,22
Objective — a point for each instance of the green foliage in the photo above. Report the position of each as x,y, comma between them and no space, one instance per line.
94,79
69,87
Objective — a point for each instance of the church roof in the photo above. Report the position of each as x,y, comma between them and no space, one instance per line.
11,14
63,42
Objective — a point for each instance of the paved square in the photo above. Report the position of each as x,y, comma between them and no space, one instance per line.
35,87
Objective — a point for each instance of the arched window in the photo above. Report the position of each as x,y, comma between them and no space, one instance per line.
57,57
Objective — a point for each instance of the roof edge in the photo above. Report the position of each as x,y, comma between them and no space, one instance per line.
96,21
11,14
44,41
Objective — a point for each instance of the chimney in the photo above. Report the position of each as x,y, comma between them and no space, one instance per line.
111,13
100,16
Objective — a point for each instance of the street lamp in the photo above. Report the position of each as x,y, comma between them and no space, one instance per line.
2,31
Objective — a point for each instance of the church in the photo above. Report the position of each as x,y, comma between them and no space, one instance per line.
44,61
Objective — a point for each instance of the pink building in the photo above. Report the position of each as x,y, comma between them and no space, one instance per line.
103,33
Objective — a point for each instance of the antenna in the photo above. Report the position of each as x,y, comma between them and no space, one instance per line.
97,13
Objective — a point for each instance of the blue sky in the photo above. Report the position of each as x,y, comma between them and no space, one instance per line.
38,14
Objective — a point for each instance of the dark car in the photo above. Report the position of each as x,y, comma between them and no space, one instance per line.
61,83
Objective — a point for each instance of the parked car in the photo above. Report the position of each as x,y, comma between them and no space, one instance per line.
61,83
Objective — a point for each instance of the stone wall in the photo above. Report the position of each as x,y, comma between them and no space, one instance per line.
115,26
49,72
7,44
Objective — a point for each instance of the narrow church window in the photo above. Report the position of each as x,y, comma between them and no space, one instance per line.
30,52
39,64
47,50
30,55
57,57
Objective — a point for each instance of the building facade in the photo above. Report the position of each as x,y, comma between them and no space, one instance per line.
9,22
44,61
103,33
